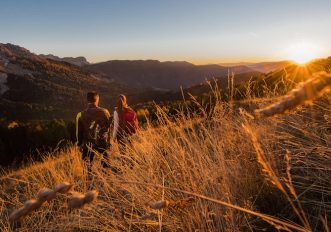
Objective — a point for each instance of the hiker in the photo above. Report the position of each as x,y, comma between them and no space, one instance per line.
93,128
125,122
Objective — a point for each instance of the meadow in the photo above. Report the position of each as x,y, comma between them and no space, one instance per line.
221,168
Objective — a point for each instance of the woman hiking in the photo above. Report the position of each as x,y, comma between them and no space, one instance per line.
125,122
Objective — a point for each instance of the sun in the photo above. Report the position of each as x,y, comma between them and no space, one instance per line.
302,53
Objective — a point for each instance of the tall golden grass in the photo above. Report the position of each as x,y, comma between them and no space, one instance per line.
306,92
218,171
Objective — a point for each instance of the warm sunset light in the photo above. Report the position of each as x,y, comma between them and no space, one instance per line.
302,53
121,115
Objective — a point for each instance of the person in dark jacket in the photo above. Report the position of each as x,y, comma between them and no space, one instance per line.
93,128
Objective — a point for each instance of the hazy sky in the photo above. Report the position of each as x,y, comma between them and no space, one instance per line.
200,31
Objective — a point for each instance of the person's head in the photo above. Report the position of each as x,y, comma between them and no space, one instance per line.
93,97
121,103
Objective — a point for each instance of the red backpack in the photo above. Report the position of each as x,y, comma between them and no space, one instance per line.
128,122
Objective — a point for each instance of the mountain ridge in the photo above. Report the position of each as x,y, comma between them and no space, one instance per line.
263,67
78,61
34,87
167,74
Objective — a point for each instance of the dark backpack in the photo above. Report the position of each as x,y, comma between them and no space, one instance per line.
97,134
128,122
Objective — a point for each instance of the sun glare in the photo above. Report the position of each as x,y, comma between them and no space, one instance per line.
302,53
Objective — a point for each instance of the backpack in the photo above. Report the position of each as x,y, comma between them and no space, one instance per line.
128,122
97,134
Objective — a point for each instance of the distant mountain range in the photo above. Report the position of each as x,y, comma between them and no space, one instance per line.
241,67
35,87
45,86
263,67
162,75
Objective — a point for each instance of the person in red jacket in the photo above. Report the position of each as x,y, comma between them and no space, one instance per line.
125,122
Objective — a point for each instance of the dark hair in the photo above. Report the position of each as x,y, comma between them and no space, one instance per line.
92,97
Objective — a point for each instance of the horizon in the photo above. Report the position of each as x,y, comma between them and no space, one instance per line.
242,62
212,32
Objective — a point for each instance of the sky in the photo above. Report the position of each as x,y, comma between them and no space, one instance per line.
199,31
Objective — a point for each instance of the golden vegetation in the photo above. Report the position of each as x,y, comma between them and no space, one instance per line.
76,201
212,171
305,92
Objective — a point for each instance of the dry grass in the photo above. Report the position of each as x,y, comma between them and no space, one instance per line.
225,172
305,93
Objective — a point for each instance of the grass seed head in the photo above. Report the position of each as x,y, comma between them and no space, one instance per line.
150,216
27,208
63,187
90,196
159,204
305,92
17,214
46,194
76,201
32,204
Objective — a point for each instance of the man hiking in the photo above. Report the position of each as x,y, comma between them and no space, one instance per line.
93,128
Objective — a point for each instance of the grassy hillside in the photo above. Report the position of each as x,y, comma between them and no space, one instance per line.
41,88
218,171
212,164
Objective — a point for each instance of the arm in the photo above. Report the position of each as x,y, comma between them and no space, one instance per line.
136,122
116,124
79,129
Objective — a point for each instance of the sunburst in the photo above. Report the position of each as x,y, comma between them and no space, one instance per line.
302,53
